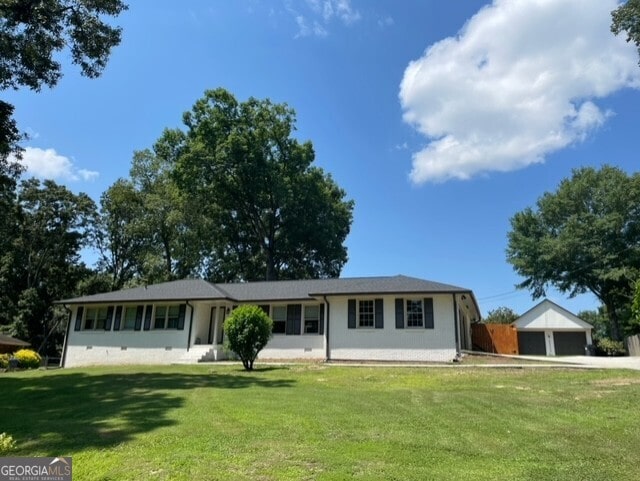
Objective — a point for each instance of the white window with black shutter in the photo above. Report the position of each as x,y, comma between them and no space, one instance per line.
294,319
414,313
311,319
279,317
98,318
365,314
129,318
166,317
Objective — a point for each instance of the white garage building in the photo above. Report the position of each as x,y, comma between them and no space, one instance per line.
551,330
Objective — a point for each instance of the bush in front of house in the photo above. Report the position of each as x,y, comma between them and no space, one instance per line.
7,443
27,359
4,361
609,347
247,331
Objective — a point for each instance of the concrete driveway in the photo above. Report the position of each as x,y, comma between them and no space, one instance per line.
592,361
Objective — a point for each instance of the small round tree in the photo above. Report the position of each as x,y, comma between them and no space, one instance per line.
247,331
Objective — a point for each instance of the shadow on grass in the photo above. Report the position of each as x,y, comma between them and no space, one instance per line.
64,412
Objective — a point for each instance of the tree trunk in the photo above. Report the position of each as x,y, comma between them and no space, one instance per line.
616,335
271,274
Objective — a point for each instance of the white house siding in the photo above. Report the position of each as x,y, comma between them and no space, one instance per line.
301,346
294,346
201,318
390,343
100,347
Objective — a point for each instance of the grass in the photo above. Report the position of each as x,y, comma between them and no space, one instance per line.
311,421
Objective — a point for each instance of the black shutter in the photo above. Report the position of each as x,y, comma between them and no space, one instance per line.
379,314
181,315
139,312
321,321
147,317
116,321
265,308
428,313
79,314
294,318
107,324
399,313
351,315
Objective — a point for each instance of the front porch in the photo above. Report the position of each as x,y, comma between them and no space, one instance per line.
206,336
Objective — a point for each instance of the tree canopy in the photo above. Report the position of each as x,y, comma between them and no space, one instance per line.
234,197
271,213
42,263
585,237
33,32
626,18
500,315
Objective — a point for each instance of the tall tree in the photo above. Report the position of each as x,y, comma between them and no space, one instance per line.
585,237
53,226
626,18
120,236
599,320
170,219
9,175
272,215
149,231
32,32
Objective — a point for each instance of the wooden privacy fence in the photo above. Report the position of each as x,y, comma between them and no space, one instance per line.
633,345
495,338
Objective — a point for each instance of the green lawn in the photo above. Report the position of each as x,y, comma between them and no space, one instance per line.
328,422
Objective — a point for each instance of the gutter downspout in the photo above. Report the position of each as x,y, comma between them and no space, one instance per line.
455,320
326,328
190,325
66,337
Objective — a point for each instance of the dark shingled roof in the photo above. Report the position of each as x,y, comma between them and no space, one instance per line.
184,290
196,289
303,289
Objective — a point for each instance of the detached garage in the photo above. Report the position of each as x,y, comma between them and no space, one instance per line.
550,330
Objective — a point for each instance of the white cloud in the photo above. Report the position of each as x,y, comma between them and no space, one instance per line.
318,15
48,164
519,82
305,29
384,22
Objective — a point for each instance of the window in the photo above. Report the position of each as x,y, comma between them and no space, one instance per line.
279,316
414,313
366,313
172,317
311,319
129,317
166,317
96,318
160,318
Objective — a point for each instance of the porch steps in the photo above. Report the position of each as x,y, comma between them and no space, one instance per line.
203,353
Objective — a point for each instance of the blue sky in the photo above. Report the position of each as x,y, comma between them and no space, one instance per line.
440,119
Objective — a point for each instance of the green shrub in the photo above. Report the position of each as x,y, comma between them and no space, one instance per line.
7,443
27,359
247,331
609,347
4,361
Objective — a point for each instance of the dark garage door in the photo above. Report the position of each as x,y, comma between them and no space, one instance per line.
532,343
569,343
